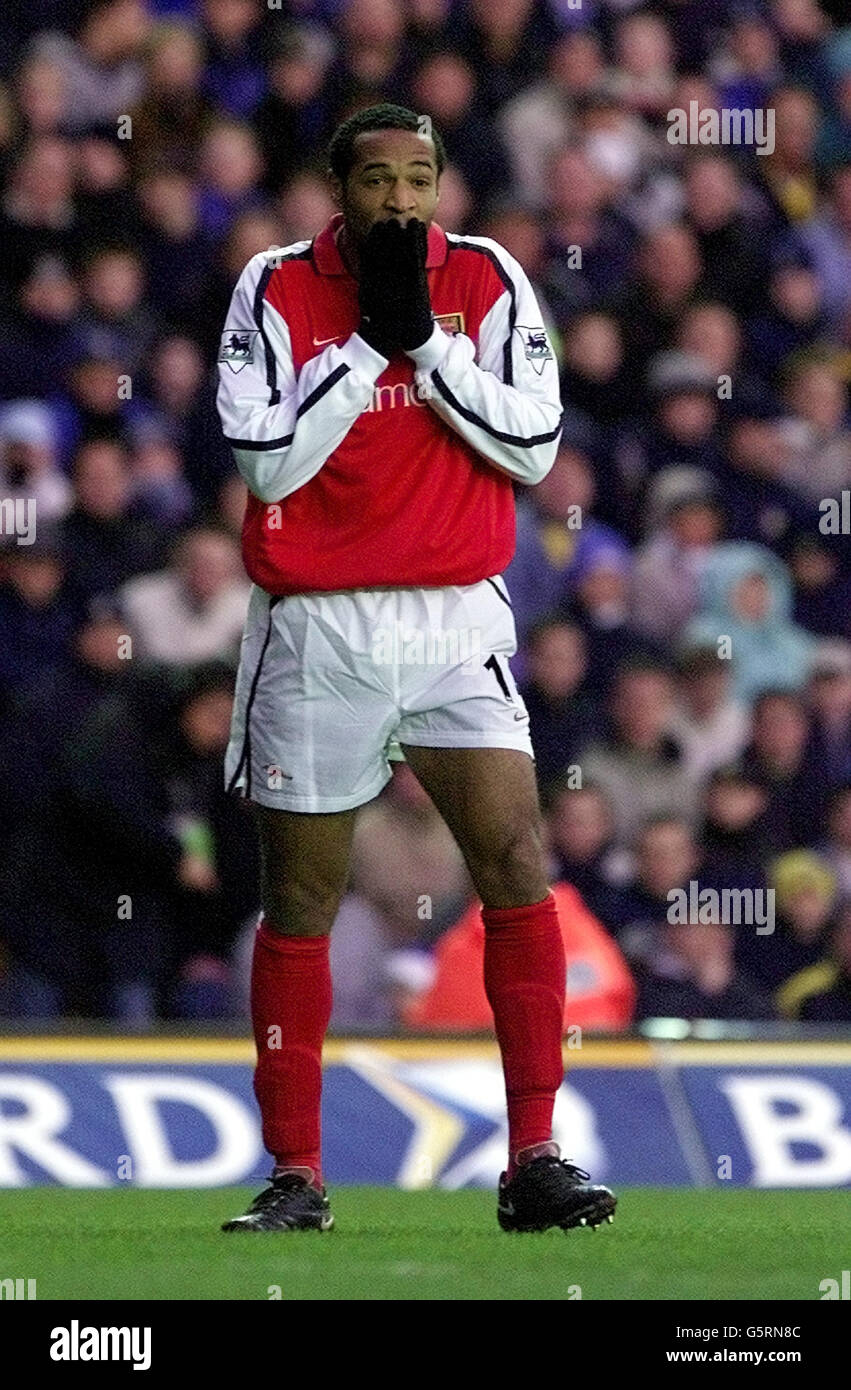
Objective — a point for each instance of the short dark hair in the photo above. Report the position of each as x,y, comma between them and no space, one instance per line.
783,693
386,116
657,819
642,665
552,621
694,662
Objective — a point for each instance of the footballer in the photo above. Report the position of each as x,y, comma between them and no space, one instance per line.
382,388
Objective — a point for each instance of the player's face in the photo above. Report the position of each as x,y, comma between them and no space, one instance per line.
394,175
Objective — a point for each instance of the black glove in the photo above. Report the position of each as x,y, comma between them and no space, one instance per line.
417,324
393,287
378,287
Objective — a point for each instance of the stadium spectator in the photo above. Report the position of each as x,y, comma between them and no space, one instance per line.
38,217
817,454
113,316
37,331
692,973
804,902
406,863
734,835
643,73
408,884
195,608
709,725
748,64
668,276
579,827
683,525
596,380
160,492
745,602
822,994
538,122
502,43
45,711
600,991
101,70
112,901
37,609
712,332
105,544
233,76
777,759
563,717
683,430
557,538
640,767
666,857
445,86
96,404
786,176
305,206
827,240
579,215
109,215
173,408
732,255
177,250
28,468
232,168
173,114
760,506
293,115
822,588
41,96
600,607
829,698
792,320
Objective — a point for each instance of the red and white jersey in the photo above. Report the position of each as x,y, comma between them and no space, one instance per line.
365,473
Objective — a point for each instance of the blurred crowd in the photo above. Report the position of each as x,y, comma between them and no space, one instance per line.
682,595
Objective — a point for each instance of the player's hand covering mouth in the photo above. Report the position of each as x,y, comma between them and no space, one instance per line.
393,286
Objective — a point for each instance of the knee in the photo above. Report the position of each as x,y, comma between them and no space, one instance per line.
512,872
294,909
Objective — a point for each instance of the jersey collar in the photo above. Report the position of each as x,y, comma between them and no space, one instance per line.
328,261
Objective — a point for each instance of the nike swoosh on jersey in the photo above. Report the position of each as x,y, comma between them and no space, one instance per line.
322,342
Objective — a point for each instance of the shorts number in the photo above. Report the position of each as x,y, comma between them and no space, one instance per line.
493,665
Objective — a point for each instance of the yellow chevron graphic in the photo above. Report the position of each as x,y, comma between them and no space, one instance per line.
437,1129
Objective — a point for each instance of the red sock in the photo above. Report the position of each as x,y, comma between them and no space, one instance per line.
525,985
290,1009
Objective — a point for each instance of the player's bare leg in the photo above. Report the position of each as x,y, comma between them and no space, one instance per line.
304,865
304,868
488,798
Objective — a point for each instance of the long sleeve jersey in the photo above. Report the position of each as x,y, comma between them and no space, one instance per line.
369,473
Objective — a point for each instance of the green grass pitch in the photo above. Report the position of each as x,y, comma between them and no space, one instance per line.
392,1245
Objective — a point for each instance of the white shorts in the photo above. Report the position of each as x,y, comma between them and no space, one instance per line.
330,685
